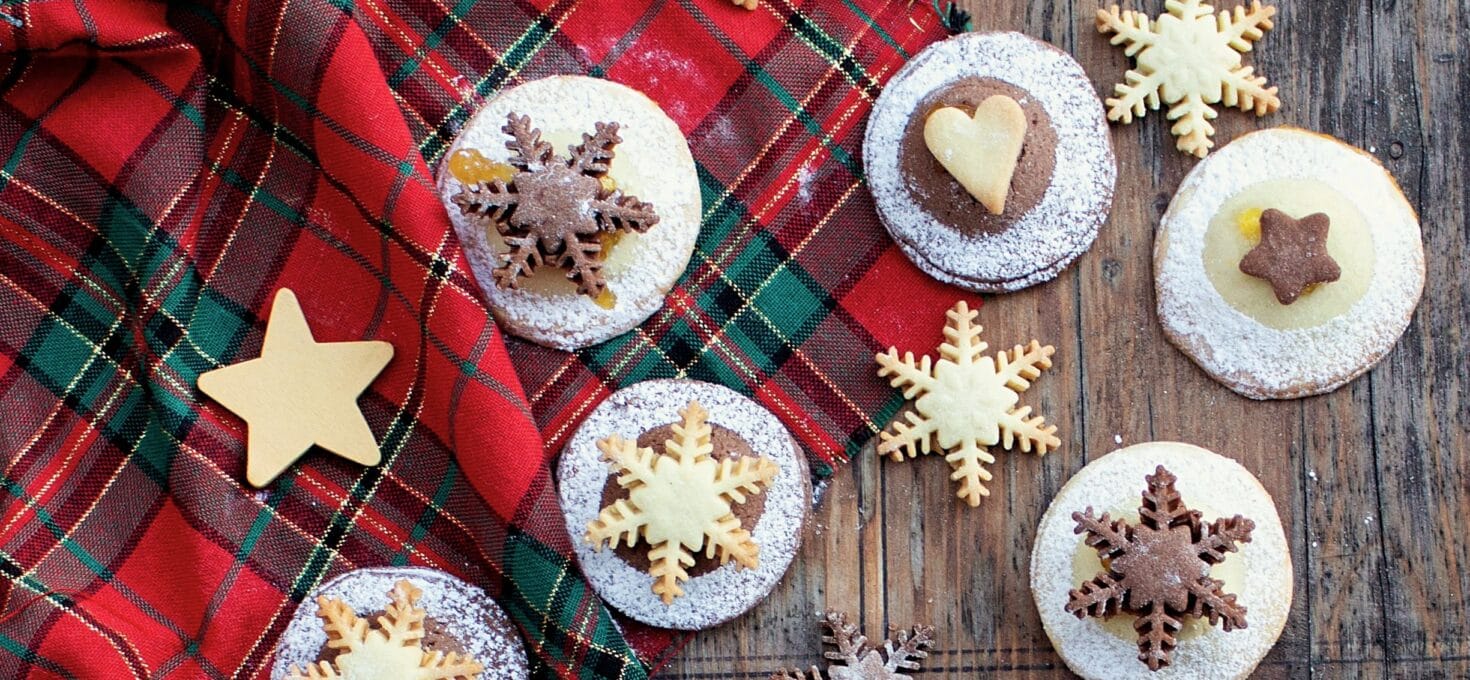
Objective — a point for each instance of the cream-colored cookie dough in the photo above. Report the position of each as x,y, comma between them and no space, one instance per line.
1260,574
653,163
1230,323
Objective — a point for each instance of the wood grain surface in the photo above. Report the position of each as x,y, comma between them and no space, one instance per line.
1371,481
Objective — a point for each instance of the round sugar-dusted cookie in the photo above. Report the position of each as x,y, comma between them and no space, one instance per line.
578,206
462,628
1169,537
1288,264
989,160
685,501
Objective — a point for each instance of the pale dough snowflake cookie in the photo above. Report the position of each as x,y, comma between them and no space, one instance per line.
404,623
685,501
1162,560
1288,264
1189,58
578,205
965,403
854,657
990,162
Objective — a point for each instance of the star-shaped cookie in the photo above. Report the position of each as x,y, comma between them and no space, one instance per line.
1292,254
299,392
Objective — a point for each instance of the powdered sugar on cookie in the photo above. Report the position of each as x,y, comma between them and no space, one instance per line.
1270,363
1048,237
728,591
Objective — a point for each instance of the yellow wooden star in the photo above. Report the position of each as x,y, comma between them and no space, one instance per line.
299,392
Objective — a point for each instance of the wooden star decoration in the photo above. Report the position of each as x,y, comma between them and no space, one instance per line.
299,393
1292,254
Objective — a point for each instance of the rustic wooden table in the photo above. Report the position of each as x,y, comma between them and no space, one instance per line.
1370,480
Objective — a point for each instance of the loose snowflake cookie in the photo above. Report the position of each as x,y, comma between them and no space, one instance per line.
685,500
989,160
1162,560
403,623
855,658
966,402
1189,58
1288,264
578,206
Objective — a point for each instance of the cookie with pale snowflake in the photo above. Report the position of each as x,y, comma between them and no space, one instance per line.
578,205
1162,560
966,402
989,160
1190,59
685,501
406,623
1288,264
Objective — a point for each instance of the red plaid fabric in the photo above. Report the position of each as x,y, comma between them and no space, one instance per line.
168,167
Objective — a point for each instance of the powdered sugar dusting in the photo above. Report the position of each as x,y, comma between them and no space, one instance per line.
1206,479
466,612
1252,358
728,591
1051,235
653,162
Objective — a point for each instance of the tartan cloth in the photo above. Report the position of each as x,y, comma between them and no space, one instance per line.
169,166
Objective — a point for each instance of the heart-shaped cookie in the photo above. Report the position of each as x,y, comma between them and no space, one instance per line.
980,151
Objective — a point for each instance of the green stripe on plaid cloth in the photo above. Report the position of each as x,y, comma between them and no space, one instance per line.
168,167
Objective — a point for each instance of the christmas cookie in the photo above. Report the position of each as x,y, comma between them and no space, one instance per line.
578,206
1189,58
854,657
685,502
989,160
965,403
1288,264
1162,560
406,623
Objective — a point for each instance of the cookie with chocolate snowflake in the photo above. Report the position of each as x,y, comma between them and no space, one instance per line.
578,205
1194,581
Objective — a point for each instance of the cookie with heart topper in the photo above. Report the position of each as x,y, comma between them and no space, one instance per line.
989,160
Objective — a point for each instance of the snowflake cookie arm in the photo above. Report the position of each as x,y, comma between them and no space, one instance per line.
345,629
621,519
962,343
1102,596
850,642
737,477
1247,92
529,152
1244,27
1108,536
1162,505
1130,28
1221,536
912,436
907,649
579,258
969,463
440,666
402,619
1030,432
1212,602
1157,632
1023,364
594,155
521,260
1192,116
913,378
667,565
727,540
621,211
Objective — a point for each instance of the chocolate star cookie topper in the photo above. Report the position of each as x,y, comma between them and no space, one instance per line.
1292,254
